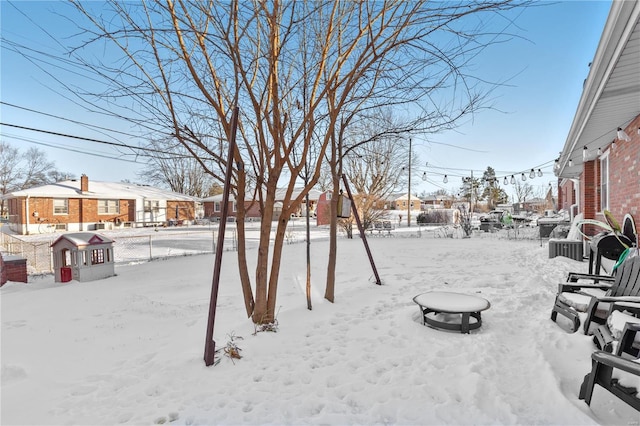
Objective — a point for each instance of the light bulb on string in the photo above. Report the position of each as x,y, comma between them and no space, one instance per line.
506,181
539,173
622,135
445,180
570,163
599,152
513,180
585,154
532,174
424,176
524,177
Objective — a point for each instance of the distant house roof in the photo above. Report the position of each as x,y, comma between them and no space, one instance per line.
99,190
401,196
314,194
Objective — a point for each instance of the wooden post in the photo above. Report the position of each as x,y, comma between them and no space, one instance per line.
210,344
362,233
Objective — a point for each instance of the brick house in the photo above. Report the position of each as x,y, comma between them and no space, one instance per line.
213,205
74,205
599,167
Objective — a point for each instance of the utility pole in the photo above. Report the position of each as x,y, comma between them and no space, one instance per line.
409,193
471,198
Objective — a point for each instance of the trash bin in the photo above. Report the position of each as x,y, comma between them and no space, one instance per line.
65,274
547,225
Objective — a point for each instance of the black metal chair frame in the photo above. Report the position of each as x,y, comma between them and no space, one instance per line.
603,365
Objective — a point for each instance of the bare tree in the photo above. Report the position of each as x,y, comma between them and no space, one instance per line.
378,168
187,64
177,170
522,191
24,170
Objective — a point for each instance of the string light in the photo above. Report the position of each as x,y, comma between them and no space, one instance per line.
539,173
445,180
424,176
524,177
532,174
584,153
506,182
513,180
622,135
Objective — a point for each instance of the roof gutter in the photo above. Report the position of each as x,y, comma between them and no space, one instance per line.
612,43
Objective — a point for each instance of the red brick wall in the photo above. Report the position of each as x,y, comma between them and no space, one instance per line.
80,211
624,175
624,181
3,272
566,195
13,269
186,210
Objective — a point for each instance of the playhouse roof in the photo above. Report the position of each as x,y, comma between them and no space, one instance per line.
81,239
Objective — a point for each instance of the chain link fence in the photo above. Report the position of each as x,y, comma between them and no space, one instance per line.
142,245
127,248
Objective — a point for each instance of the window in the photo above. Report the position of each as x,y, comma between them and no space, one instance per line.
151,205
216,206
108,207
60,206
604,182
97,256
235,206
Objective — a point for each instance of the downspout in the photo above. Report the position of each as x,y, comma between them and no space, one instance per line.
27,214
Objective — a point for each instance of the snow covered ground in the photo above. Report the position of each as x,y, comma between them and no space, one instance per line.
129,349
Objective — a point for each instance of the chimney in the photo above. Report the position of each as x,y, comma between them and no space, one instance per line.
84,183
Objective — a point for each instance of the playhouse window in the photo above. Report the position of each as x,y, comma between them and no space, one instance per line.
60,206
97,256
108,207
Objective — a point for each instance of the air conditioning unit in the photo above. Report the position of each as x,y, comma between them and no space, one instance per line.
566,248
99,226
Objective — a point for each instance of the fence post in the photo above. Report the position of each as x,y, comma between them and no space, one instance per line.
150,249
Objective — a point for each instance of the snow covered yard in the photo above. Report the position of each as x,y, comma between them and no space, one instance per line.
129,349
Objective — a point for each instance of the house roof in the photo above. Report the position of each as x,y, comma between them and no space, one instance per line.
81,239
99,190
405,196
314,194
611,94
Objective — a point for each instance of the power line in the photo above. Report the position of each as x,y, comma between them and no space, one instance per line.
66,148
117,144
66,119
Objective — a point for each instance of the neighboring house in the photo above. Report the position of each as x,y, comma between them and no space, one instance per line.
78,205
599,166
400,201
437,202
213,205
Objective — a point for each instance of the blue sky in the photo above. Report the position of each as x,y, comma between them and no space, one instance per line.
544,70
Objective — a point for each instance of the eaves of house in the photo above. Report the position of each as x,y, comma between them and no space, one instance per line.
99,190
611,95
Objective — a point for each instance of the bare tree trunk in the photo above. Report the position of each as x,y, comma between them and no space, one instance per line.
243,269
329,292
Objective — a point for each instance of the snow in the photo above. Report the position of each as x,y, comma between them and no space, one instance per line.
129,349
448,301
